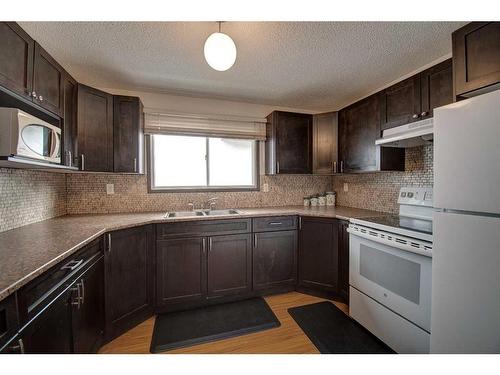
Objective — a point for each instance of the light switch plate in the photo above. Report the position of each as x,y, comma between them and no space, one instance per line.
346,187
110,189
265,188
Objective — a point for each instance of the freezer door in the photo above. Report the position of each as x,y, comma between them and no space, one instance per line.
465,312
467,154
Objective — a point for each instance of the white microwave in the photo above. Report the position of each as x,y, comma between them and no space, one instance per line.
24,135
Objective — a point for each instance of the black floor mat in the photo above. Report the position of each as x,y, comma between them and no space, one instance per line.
186,328
333,332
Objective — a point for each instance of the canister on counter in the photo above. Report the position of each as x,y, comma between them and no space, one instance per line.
330,198
322,199
314,201
307,201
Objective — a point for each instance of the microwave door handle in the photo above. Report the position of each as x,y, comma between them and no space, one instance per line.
56,141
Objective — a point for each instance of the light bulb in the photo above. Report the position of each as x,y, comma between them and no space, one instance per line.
220,51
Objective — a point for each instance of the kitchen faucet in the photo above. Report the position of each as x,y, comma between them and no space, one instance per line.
210,203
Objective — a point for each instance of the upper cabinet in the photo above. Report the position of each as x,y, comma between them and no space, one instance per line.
128,136
69,115
415,98
359,127
325,143
476,57
95,129
16,59
289,143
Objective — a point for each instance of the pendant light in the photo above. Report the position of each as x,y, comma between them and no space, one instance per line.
220,51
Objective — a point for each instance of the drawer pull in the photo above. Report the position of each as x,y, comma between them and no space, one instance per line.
72,265
275,223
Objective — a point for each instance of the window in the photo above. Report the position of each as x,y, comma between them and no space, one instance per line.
202,163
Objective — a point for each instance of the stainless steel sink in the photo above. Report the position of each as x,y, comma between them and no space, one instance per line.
196,213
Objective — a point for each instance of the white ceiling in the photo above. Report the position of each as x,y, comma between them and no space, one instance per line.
309,65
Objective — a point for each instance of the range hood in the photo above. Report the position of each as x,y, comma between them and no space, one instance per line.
409,135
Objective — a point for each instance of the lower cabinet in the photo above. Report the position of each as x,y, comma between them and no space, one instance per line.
343,260
129,278
319,255
275,261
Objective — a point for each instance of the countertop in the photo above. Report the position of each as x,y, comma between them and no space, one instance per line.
28,251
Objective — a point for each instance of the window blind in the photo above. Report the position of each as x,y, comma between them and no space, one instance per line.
208,126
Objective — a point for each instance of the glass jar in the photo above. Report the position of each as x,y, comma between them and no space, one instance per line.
314,201
322,200
330,198
307,201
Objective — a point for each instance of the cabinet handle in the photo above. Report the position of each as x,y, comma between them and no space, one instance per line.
83,291
341,166
40,98
78,300
70,160
255,240
423,114
19,346
83,162
209,244
109,242
34,95
277,167
203,245
334,167
72,265
415,115
300,222
135,165
275,223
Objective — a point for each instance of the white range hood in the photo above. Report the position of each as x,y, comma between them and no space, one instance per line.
409,135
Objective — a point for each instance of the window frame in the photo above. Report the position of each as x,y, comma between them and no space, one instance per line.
200,189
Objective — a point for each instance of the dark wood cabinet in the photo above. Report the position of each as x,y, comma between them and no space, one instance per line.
343,285
70,141
229,265
318,255
87,318
400,104
476,57
359,127
9,321
275,261
181,271
47,81
16,59
129,278
128,134
325,143
436,85
95,129
289,143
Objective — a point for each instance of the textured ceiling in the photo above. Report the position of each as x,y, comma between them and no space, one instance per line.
309,65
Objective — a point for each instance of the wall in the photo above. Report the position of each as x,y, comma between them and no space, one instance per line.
379,191
87,194
30,196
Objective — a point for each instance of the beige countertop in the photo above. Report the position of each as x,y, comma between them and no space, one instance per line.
28,251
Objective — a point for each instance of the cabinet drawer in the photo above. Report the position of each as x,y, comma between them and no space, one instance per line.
274,223
203,228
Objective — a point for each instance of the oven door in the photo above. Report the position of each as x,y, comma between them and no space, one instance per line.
38,139
396,278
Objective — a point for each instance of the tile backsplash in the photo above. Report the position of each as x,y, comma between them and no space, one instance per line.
30,196
86,193
379,191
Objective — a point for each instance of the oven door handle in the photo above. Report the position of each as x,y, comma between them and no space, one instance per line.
403,244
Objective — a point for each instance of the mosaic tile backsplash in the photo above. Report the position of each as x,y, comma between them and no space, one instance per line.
379,191
30,196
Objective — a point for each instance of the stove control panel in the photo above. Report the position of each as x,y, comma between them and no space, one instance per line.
416,196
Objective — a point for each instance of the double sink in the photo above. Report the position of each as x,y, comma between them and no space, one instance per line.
196,213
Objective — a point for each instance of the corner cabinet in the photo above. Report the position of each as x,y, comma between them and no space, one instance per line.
359,127
129,278
476,57
289,143
95,129
128,134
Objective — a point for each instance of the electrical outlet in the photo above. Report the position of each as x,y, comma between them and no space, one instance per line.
110,189
346,187
265,188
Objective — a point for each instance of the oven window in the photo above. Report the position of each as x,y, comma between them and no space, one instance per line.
400,276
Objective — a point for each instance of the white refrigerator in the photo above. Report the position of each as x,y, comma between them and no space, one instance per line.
465,312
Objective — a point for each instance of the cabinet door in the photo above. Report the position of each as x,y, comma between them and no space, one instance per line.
9,320
88,317
128,136
229,265
436,88
275,260
129,278
344,260
16,59
50,331
95,129
181,270
70,146
476,56
47,81
325,143
400,104
319,254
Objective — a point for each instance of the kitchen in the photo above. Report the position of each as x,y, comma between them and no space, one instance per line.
160,197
